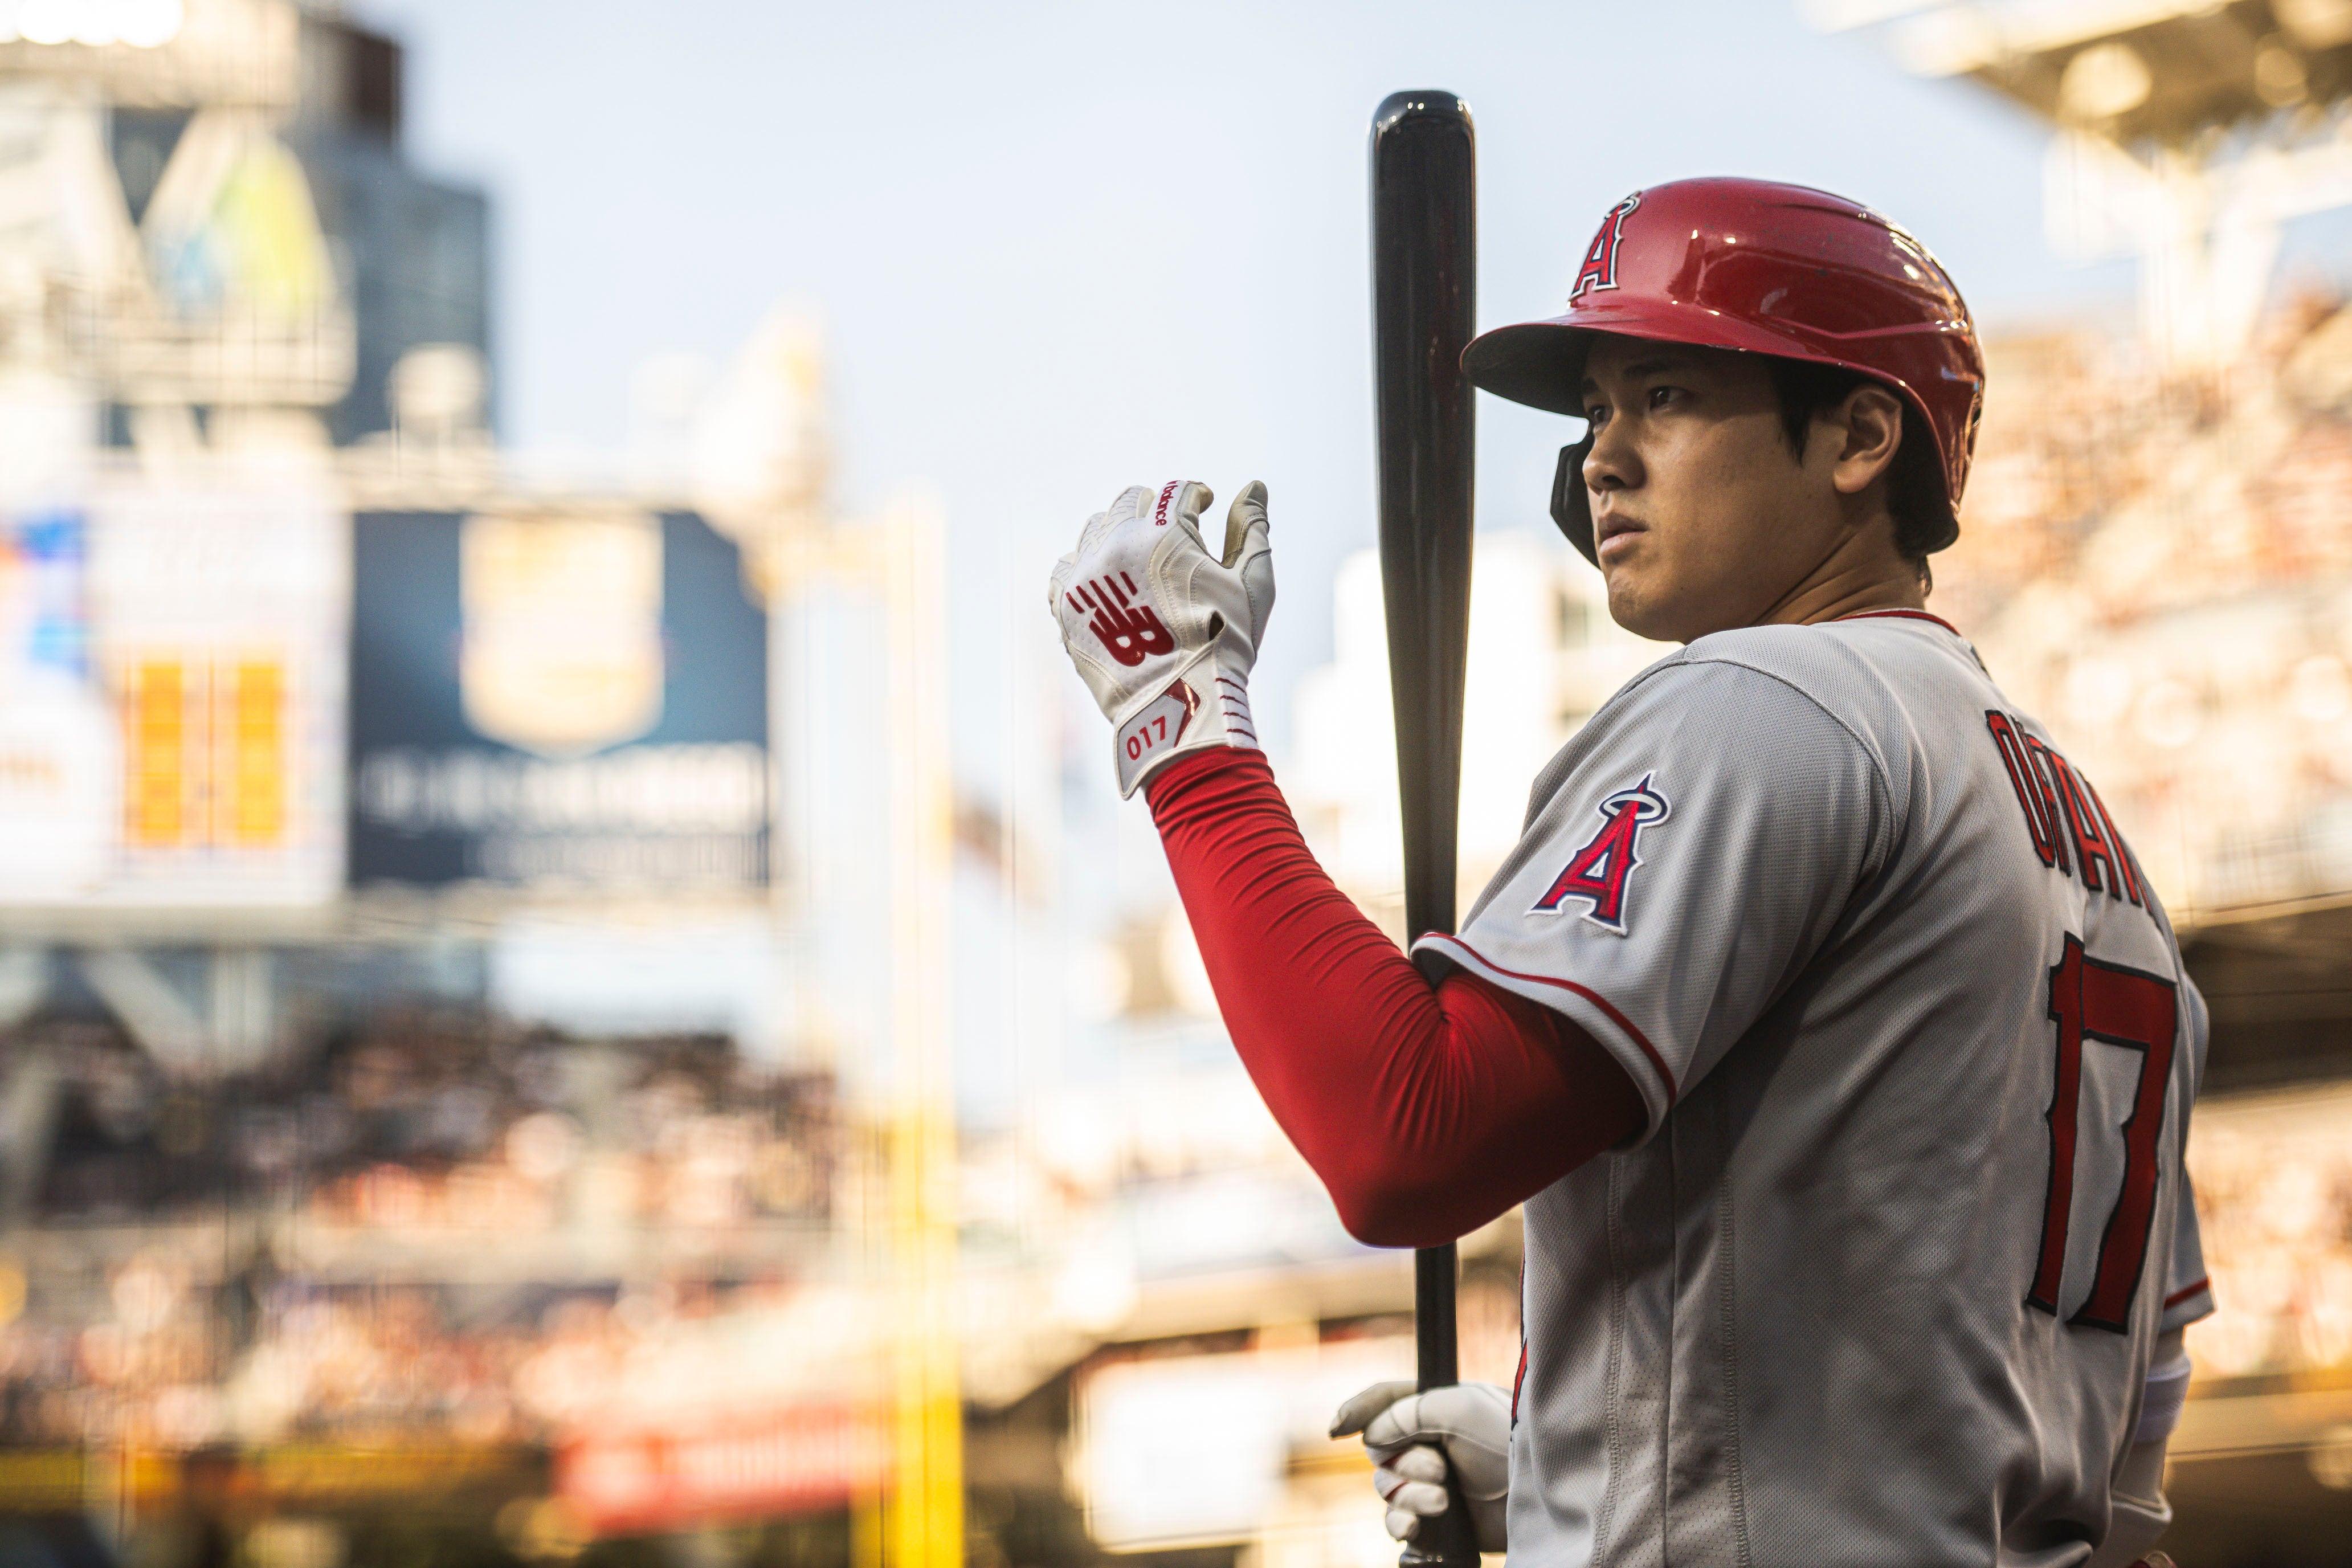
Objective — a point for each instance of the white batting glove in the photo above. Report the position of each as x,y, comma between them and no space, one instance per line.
1164,633
1402,1432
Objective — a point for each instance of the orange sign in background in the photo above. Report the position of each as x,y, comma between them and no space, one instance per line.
204,752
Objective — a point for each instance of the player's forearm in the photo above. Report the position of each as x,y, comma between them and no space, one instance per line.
1426,1112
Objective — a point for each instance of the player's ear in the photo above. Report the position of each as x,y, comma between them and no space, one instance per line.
1870,432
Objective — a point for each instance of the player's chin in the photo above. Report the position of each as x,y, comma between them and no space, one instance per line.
1634,602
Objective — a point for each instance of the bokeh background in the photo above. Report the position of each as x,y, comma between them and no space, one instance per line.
573,986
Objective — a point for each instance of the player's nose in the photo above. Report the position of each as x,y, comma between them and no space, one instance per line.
1610,463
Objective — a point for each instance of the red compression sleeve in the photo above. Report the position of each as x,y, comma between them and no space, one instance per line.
1426,1112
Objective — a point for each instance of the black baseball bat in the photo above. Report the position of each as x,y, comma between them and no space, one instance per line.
1425,299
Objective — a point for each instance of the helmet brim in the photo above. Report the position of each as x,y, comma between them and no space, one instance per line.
1541,364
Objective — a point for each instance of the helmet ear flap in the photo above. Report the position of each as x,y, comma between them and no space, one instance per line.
1572,509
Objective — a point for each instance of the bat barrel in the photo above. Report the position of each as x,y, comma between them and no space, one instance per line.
1425,304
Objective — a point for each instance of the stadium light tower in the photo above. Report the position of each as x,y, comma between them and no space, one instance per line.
2186,133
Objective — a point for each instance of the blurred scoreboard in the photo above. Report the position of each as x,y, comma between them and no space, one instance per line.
250,699
556,699
172,679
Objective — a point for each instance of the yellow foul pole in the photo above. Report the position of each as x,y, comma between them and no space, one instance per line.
925,1525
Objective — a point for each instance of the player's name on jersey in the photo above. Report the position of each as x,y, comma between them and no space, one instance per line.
2064,817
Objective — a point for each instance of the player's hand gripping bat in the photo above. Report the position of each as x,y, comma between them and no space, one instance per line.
1424,298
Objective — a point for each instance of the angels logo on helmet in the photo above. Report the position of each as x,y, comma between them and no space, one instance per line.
1601,871
1599,268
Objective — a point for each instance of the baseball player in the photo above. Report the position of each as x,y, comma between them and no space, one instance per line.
1827,1027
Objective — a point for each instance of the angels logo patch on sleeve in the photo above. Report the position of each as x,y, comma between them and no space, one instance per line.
1600,874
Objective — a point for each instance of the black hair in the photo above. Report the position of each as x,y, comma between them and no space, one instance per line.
1915,490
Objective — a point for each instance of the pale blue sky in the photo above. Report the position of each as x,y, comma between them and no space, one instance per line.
1065,247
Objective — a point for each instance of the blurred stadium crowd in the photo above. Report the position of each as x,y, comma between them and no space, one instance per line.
2159,563
286,1253
2274,1191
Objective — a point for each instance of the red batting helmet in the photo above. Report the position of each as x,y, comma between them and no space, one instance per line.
1768,268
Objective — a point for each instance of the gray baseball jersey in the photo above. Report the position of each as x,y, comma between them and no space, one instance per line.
1879,1281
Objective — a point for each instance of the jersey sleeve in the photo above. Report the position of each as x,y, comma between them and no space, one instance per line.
2188,1289
1706,831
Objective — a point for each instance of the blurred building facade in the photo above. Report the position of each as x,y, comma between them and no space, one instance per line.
415,249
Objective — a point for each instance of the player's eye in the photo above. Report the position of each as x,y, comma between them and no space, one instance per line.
1664,396
1597,414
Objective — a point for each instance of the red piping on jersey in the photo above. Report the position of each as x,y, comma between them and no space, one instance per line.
1665,1074
1426,1110
1897,615
2186,1291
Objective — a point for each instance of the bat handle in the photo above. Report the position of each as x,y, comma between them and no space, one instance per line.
1449,1540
